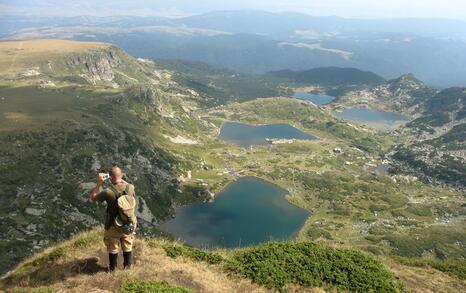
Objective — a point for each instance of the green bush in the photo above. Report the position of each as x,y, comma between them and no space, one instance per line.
277,264
151,287
193,253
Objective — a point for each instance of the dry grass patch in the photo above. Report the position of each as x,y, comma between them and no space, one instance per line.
71,271
425,280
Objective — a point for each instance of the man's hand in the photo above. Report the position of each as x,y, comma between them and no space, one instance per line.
95,191
100,179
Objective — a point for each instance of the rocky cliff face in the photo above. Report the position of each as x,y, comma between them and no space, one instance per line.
96,65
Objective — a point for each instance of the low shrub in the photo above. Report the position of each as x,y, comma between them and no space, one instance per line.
193,253
151,287
278,264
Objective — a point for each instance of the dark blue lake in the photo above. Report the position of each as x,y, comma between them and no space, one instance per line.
316,99
249,211
247,135
373,117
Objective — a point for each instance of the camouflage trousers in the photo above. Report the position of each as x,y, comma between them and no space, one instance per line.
114,238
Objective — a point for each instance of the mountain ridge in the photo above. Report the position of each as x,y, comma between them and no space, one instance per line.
331,76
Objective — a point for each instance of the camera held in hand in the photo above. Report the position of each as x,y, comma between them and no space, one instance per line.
105,176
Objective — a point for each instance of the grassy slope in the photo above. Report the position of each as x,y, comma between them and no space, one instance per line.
77,266
17,56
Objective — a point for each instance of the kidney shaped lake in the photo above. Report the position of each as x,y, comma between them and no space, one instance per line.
247,212
247,135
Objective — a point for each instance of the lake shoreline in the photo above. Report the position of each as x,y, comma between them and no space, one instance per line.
276,200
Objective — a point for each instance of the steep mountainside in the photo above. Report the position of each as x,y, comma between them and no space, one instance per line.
436,145
69,110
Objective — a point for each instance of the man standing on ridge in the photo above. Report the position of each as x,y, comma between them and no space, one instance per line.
120,220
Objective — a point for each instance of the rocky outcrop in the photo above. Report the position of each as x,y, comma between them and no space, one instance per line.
96,65
405,94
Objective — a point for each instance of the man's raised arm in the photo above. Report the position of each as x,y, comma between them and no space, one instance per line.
96,189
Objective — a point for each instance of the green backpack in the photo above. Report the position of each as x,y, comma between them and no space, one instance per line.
126,203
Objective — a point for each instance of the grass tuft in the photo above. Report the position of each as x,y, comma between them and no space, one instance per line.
151,287
87,240
49,257
195,254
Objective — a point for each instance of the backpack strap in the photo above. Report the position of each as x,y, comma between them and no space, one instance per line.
119,193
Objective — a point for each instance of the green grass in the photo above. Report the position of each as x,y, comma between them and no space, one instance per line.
315,232
49,257
151,287
453,267
441,241
278,264
175,251
87,240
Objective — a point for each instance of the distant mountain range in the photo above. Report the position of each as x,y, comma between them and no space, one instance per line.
258,42
331,76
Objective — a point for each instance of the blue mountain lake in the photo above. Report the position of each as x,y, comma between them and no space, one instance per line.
386,120
247,135
316,99
247,212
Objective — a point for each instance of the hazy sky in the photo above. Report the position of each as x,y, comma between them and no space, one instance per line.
346,8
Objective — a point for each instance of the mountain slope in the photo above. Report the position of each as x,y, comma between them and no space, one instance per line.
218,86
69,110
436,148
405,94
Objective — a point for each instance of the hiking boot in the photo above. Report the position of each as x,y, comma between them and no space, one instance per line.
112,261
127,259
